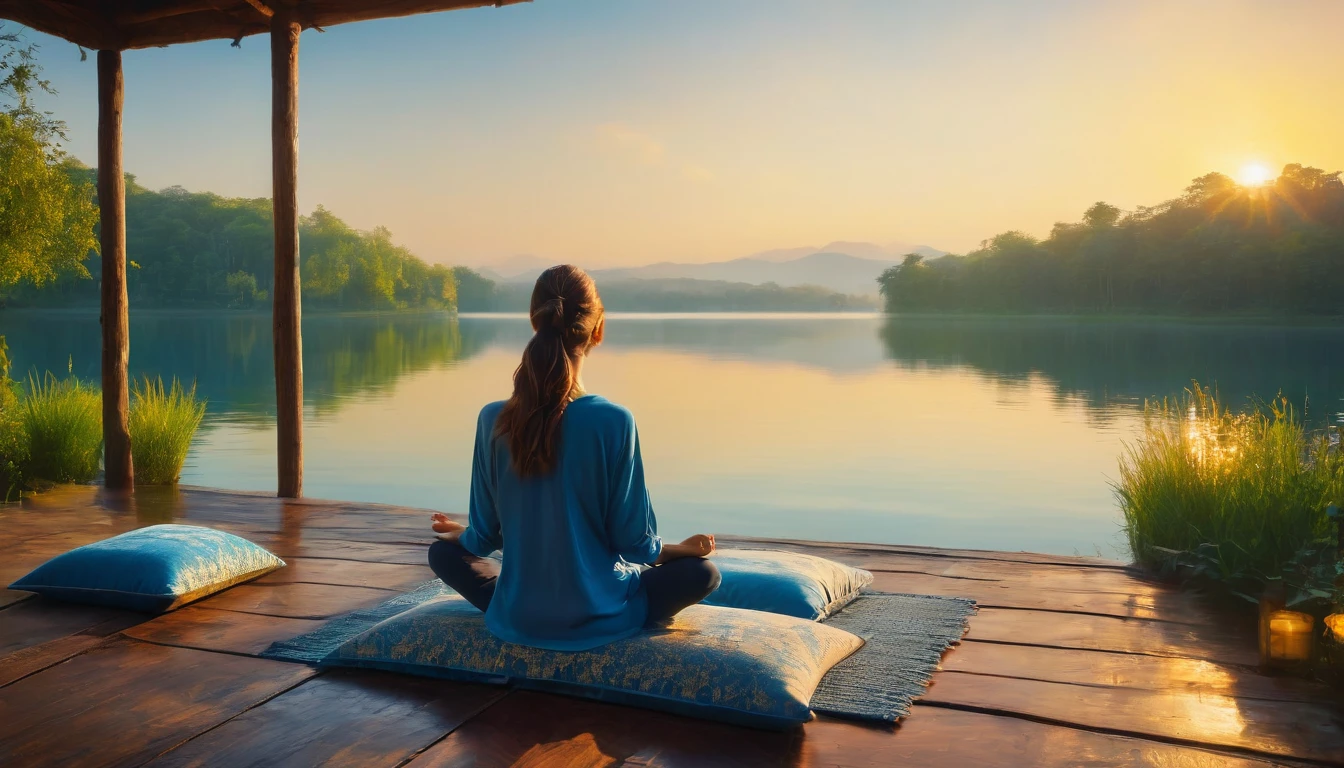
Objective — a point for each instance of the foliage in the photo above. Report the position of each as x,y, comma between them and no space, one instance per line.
1219,248
242,290
46,217
478,294
475,293
1236,498
203,250
20,78
163,421
13,439
63,421
366,270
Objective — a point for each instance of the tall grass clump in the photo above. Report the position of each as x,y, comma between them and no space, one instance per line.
13,439
1234,497
162,420
63,422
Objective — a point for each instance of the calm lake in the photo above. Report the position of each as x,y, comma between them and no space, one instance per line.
996,434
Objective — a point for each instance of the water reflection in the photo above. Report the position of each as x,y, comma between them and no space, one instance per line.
229,355
1107,364
949,432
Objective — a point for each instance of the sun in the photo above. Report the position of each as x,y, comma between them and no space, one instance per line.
1255,175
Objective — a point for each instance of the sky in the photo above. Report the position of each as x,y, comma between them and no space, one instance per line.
625,132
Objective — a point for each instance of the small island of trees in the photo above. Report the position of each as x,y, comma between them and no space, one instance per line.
1221,248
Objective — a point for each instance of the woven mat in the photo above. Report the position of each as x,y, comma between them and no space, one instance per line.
905,636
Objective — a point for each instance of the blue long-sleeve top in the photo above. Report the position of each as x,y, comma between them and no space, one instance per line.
573,538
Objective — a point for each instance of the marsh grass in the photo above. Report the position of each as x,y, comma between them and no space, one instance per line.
62,421
1238,497
163,421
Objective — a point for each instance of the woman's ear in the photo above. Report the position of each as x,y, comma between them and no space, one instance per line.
599,330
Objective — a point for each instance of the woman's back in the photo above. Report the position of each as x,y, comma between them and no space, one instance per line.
557,482
571,536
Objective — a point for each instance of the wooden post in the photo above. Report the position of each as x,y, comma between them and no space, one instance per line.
286,311
113,318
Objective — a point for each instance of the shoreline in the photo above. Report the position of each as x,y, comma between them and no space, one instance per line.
1225,321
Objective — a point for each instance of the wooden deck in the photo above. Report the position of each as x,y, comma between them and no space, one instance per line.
1070,661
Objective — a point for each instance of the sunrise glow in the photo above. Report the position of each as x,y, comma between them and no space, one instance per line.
1255,175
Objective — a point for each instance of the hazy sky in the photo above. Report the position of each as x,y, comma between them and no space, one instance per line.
629,131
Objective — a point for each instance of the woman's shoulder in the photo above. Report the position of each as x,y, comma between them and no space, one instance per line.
489,414
599,409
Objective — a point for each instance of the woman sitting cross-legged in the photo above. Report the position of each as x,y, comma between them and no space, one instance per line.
557,482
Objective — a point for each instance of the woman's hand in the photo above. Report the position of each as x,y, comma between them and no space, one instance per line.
699,545
444,528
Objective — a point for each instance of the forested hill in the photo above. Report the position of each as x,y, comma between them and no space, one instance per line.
190,249
1219,248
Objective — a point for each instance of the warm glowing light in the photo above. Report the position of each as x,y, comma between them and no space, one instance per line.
1290,636
1255,175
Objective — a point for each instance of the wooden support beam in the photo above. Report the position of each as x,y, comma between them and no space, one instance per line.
286,311
112,213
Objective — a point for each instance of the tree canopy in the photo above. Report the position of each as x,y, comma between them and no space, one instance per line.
1219,248
197,249
47,216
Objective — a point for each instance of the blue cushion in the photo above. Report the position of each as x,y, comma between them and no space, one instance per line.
789,583
151,569
742,667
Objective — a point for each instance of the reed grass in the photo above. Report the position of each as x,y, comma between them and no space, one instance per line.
163,421
1239,495
63,422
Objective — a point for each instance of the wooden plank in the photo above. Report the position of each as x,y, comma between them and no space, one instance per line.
359,551
999,594
960,554
10,597
296,601
535,729
40,633
124,702
944,738
343,718
39,620
1153,673
286,311
208,629
393,576
1103,633
532,729
117,469
1308,731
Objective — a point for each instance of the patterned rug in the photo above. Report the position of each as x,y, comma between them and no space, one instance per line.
906,636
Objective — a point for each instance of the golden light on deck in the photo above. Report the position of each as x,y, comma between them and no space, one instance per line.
1255,175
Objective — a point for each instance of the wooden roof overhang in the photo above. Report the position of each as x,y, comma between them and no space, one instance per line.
125,24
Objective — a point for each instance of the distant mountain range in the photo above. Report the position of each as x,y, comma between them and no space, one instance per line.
850,268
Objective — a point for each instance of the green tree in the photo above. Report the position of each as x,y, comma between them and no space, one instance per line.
1217,248
47,216
241,288
475,293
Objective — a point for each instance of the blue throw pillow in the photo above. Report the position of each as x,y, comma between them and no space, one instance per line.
789,583
153,569
741,667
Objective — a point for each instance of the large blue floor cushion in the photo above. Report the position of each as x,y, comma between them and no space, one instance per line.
788,583
743,667
153,569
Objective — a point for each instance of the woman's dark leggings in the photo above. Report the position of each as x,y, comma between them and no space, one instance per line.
669,587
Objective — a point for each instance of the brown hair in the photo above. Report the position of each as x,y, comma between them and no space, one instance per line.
567,317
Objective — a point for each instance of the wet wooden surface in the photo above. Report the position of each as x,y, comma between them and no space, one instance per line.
1070,661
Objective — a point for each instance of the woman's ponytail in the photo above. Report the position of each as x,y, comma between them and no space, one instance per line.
566,312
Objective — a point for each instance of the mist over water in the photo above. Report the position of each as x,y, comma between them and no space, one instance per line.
982,433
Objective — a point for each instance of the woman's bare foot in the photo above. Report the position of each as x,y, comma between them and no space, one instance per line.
441,524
